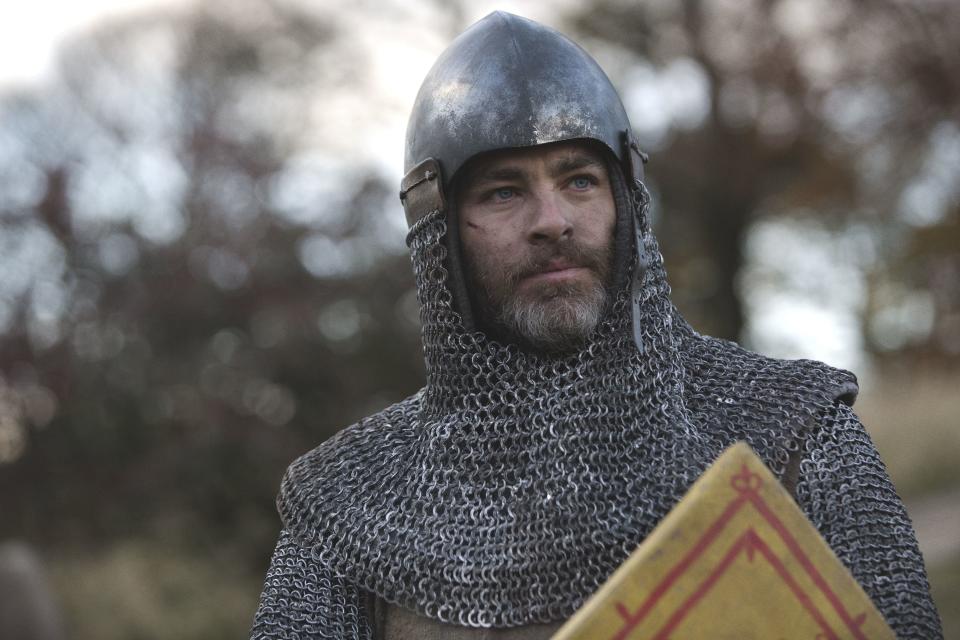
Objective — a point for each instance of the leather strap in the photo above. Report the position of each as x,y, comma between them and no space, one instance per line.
633,157
421,191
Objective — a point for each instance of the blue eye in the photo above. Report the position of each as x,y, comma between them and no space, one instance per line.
503,194
581,182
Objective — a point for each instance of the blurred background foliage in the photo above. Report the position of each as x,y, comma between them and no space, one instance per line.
203,274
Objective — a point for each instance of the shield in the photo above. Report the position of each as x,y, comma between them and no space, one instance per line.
736,558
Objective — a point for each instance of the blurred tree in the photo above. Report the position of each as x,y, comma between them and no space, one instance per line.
195,292
766,108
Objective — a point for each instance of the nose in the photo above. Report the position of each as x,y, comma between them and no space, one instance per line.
551,221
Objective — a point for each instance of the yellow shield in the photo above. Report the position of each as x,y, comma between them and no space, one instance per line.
736,558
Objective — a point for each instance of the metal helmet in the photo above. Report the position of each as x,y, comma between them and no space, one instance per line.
507,82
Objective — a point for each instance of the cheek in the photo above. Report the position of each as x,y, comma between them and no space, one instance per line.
599,224
607,217
488,237
474,244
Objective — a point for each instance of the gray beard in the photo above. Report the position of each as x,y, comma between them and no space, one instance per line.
555,318
560,321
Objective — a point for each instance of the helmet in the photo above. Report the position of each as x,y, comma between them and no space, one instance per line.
507,82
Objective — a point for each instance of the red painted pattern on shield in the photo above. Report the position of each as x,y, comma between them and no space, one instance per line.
747,486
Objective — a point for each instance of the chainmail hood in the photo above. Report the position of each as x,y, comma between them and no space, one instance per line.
512,485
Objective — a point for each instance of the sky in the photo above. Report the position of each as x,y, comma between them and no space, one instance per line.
31,31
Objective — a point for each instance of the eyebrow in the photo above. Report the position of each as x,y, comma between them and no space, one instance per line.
573,162
566,164
497,174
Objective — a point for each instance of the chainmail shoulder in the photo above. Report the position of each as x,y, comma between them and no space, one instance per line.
513,484
845,491
301,599
778,403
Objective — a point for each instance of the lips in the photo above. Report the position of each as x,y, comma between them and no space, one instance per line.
557,269
559,264
551,266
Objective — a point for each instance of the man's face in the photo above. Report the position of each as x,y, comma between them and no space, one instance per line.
536,228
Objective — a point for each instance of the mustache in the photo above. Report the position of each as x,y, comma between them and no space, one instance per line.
597,259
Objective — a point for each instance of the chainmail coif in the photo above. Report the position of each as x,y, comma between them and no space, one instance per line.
513,484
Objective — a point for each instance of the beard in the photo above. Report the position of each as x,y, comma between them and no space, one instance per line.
548,316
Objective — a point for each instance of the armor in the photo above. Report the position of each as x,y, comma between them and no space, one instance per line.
508,82
509,488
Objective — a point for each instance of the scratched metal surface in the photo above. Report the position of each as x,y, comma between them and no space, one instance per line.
510,82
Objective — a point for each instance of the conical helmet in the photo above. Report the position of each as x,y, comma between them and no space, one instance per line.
508,82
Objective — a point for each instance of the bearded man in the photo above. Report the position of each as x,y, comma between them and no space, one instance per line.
568,406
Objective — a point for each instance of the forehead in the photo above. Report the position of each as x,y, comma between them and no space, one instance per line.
556,156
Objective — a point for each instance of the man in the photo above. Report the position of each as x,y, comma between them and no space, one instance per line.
567,406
